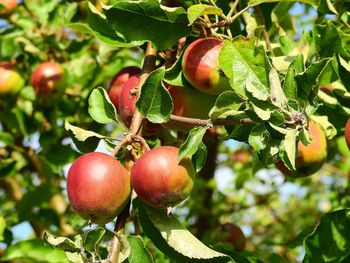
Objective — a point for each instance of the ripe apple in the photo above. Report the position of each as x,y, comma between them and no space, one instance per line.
189,103
200,66
46,77
10,81
311,157
98,187
347,133
232,234
159,180
7,6
117,83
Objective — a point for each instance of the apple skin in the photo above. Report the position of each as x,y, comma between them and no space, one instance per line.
118,81
232,234
241,156
200,66
46,77
159,180
347,133
8,6
10,81
188,103
311,157
98,187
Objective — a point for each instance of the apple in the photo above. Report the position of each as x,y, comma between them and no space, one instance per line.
189,103
7,6
311,157
98,187
241,156
160,180
118,81
10,81
231,234
46,77
347,133
200,66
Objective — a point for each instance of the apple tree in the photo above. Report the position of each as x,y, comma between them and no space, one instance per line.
174,131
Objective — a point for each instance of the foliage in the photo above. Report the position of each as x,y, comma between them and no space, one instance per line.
287,62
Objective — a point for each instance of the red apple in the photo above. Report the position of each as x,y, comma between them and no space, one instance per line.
347,133
98,187
189,103
10,81
46,77
7,6
159,180
118,82
241,156
232,234
201,68
311,157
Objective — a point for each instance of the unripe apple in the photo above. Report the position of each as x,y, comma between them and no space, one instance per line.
311,157
160,180
127,106
200,66
117,83
46,77
231,234
7,6
98,187
189,103
10,81
347,133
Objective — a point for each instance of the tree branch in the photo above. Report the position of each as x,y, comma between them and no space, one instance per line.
262,22
208,122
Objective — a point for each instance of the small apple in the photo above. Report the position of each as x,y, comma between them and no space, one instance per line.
10,81
189,103
347,133
231,234
201,68
160,180
242,156
7,6
98,187
46,77
117,83
311,157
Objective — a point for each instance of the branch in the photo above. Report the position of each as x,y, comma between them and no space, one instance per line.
149,64
208,122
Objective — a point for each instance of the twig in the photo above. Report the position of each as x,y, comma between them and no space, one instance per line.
262,22
208,122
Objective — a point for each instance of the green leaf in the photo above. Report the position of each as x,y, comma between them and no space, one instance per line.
2,227
191,145
195,11
173,239
174,75
139,252
200,157
261,111
258,2
330,240
242,60
101,109
6,138
277,95
256,137
161,25
155,102
323,121
62,243
256,93
34,250
288,149
226,103
95,24
81,134
93,238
